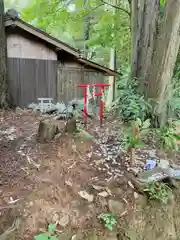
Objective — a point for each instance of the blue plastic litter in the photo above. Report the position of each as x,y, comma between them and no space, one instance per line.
150,164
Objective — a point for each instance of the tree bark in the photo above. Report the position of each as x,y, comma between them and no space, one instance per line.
4,94
49,128
164,59
155,44
87,25
143,28
112,64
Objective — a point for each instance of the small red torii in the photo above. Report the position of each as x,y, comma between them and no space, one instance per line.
85,86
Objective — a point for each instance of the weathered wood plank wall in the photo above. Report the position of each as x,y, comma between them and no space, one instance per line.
21,45
68,80
30,79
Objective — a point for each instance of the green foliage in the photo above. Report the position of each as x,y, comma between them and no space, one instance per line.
45,236
168,138
66,20
108,220
135,133
163,3
158,191
130,104
49,235
174,96
51,228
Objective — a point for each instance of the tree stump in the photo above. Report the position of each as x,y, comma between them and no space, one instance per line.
48,129
71,125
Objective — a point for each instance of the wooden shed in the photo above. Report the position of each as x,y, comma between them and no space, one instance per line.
42,66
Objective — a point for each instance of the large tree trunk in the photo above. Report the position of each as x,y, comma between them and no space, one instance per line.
4,94
144,27
154,50
164,59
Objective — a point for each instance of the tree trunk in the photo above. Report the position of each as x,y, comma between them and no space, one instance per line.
112,65
164,59
4,94
49,128
143,27
111,89
87,25
154,50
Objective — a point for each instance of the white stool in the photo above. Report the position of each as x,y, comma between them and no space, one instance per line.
45,104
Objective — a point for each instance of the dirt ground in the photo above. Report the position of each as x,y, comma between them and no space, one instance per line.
39,183
43,183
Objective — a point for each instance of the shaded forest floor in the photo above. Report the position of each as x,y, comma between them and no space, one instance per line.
70,181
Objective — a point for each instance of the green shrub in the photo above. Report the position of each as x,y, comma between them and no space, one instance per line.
158,191
108,220
130,104
168,138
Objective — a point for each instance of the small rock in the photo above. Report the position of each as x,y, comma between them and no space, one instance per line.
175,166
86,196
163,163
152,153
64,221
118,191
116,207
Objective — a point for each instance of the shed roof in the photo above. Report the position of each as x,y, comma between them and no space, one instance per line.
17,22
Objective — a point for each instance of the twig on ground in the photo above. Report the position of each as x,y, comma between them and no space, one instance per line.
11,229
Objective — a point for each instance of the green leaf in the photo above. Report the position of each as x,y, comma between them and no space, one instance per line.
139,122
177,137
146,124
45,236
51,228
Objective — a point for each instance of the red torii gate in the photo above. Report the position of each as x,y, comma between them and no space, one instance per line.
102,86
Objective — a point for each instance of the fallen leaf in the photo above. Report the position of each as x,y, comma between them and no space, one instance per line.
13,201
69,183
136,195
108,191
97,187
98,162
130,184
103,194
125,200
86,196
64,221
124,213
